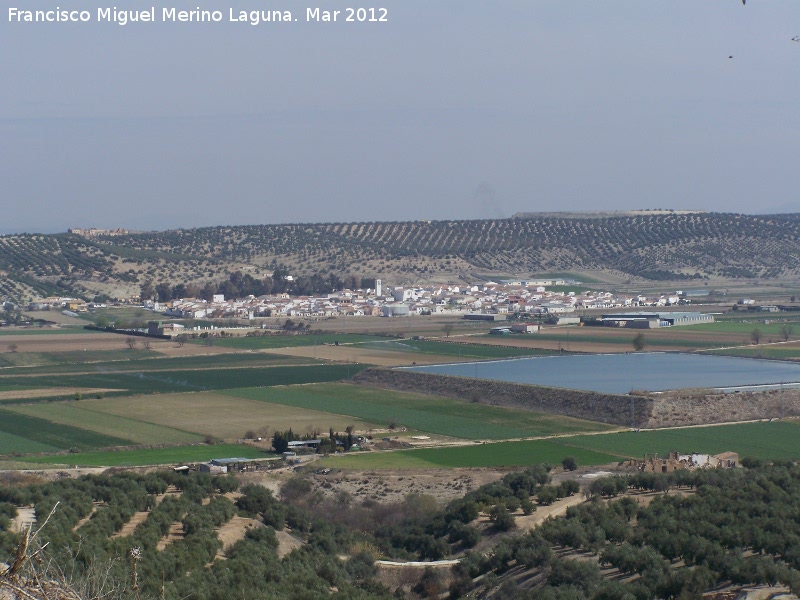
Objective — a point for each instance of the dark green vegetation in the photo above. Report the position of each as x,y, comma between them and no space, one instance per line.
771,441
459,349
658,246
733,527
151,456
500,454
51,436
767,352
718,527
151,382
53,363
99,565
291,341
431,414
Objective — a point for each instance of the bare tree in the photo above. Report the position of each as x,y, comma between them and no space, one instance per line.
755,336
12,347
448,328
131,342
181,339
146,344
786,331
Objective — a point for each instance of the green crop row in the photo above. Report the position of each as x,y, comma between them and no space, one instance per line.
430,414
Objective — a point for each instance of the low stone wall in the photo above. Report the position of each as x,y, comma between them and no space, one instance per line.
700,407
650,411
608,408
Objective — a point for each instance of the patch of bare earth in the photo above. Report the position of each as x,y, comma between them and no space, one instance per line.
394,486
87,518
286,543
26,517
234,531
542,513
129,527
175,533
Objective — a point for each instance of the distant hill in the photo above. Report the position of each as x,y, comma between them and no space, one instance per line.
646,245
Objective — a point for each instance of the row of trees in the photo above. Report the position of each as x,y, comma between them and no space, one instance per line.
239,285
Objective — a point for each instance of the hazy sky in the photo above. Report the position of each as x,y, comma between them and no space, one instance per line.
452,109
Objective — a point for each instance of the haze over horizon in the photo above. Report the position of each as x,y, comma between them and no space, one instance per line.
450,110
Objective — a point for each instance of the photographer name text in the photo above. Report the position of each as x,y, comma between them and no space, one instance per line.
165,14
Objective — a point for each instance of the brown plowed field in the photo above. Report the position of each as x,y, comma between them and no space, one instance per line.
67,342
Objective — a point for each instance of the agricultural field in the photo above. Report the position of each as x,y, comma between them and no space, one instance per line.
779,351
70,362
461,349
55,436
428,414
221,415
14,331
773,327
168,381
771,441
291,341
151,456
501,454
775,440
88,414
620,339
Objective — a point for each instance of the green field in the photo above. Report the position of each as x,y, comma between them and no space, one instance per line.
771,352
14,444
42,331
55,435
746,326
292,341
431,414
151,456
213,413
65,361
142,360
81,415
625,339
501,454
456,349
167,381
758,440
771,441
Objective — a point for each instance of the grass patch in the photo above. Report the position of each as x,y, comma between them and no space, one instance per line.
776,440
293,341
432,414
168,381
151,361
457,349
81,415
775,353
14,444
773,328
222,416
43,331
152,456
55,435
502,454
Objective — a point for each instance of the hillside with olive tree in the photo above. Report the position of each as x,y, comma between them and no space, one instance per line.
637,247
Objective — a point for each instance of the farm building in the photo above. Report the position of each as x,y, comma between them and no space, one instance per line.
653,320
499,331
484,317
676,462
525,328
